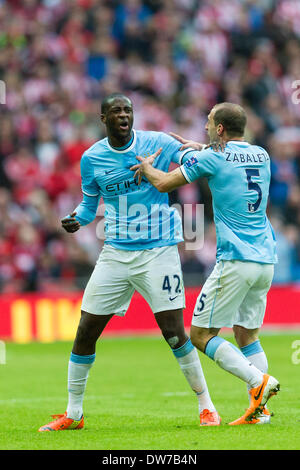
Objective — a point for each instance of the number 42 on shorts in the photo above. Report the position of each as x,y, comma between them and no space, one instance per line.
169,284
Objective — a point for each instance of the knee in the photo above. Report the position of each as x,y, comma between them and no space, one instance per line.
175,337
172,327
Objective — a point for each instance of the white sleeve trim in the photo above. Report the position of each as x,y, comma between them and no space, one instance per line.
190,149
185,174
88,194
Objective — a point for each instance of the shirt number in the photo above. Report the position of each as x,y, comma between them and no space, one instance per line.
252,207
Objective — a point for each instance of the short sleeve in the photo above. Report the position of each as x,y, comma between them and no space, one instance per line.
88,183
204,163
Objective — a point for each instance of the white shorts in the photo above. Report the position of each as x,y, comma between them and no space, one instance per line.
234,294
156,274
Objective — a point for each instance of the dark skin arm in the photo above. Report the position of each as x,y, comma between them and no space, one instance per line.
70,224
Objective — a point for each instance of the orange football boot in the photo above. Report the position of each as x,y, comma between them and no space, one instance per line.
209,418
258,398
263,417
61,423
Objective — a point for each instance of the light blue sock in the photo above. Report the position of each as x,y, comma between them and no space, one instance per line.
189,362
78,372
255,353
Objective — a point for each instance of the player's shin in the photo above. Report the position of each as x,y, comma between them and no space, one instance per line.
78,372
189,362
256,355
230,358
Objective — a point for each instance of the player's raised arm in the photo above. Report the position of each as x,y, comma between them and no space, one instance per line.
217,146
187,143
163,182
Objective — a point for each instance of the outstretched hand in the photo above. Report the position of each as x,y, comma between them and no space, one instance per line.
217,146
139,168
187,143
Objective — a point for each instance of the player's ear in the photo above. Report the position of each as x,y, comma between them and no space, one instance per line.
220,129
103,118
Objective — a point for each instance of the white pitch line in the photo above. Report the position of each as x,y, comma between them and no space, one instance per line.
175,394
11,401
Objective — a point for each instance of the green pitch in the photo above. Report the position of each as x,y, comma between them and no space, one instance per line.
137,398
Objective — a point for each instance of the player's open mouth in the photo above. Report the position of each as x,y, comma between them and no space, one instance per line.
124,126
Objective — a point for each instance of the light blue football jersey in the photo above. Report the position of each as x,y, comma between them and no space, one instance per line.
239,180
137,217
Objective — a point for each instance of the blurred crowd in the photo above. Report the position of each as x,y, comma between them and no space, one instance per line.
175,59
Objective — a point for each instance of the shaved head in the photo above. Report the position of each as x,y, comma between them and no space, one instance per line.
108,100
